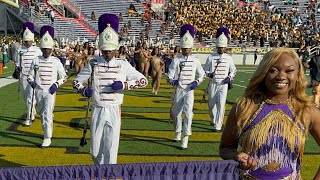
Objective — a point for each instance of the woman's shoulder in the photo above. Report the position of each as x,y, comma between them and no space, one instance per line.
314,114
254,106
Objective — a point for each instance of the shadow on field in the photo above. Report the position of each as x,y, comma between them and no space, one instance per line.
149,94
230,102
66,90
206,102
13,136
67,108
74,123
19,138
154,140
5,163
135,116
12,119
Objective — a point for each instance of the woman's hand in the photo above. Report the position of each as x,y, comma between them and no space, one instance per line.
245,161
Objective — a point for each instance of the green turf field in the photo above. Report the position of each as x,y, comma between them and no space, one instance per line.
146,132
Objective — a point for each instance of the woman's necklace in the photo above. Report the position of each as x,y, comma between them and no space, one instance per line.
269,101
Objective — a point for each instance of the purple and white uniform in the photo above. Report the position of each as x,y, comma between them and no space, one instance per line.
106,111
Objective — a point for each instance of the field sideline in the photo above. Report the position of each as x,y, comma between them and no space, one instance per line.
145,136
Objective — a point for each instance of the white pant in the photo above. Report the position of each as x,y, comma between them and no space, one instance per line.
27,94
217,99
105,134
183,101
46,102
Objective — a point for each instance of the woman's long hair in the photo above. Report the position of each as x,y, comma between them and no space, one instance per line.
77,48
301,102
154,51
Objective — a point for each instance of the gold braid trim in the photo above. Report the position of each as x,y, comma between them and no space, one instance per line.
278,123
253,117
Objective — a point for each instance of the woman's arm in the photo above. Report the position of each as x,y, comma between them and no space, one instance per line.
229,143
146,54
315,124
162,63
315,131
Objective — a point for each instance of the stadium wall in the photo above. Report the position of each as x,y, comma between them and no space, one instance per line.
241,56
239,59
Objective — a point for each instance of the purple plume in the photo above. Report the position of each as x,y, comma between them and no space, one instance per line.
222,30
188,27
106,19
44,29
28,25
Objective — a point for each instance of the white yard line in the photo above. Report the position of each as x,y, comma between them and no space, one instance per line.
246,71
239,85
6,81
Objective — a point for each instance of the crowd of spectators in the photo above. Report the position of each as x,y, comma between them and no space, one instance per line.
36,9
250,23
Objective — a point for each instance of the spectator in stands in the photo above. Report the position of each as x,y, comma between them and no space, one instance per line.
32,2
220,68
93,16
132,10
139,13
48,11
237,17
182,75
255,56
120,17
129,25
5,57
142,20
52,16
107,91
272,120
146,15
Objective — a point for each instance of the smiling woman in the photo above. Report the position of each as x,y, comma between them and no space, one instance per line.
281,78
271,120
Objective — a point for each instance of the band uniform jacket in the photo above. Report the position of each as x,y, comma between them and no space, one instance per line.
222,66
105,73
28,55
184,69
47,74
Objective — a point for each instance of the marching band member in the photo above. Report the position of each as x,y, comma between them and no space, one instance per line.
27,53
219,67
43,79
181,74
110,77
